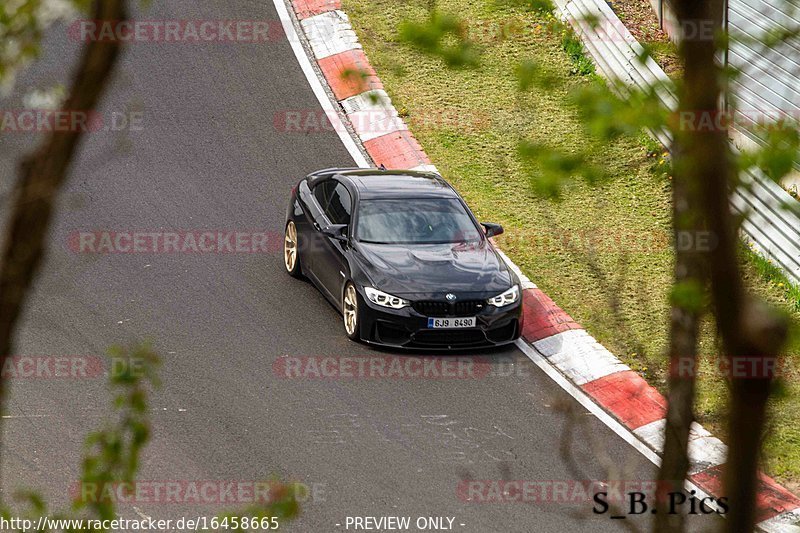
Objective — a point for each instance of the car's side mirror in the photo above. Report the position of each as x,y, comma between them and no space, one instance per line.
336,231
492,229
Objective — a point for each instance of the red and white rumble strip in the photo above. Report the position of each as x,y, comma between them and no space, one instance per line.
369,109
552,333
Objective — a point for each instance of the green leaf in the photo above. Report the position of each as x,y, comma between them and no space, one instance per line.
442,35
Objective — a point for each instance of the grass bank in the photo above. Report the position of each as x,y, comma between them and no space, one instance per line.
602,253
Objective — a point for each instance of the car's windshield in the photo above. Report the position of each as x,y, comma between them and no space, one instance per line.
415,221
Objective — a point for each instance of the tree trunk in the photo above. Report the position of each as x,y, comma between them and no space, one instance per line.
42,175
747,329
682,355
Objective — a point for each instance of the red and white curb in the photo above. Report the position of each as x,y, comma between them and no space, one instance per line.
552,339
356,87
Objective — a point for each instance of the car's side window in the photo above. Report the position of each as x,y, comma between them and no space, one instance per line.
339,207
322,193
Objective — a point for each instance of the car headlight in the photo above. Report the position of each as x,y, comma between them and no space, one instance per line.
386,300
506,298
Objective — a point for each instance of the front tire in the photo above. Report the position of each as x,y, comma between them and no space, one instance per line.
351,312
291,259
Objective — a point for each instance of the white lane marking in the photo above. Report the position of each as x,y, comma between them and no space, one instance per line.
330,33
426,168
316,85
140,513
579,356
90,412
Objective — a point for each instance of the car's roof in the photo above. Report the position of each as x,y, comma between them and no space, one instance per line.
372,183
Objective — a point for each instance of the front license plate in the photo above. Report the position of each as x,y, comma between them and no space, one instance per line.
451,323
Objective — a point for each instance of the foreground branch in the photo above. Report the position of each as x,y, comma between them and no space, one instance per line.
704,179
42,174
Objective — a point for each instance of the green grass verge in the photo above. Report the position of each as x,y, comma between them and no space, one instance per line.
602,253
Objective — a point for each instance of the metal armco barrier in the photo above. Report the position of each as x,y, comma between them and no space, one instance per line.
773,230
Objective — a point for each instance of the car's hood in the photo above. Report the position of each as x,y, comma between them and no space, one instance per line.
435,269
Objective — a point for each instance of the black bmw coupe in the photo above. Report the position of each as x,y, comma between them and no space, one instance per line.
403,259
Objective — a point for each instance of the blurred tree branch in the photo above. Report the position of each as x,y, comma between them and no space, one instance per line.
42,174
703,181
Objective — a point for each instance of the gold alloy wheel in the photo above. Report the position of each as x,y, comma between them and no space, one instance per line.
290,248
350,310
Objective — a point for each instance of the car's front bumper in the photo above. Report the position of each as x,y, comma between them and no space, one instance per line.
407,328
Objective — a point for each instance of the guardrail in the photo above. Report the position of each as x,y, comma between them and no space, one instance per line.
773,230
